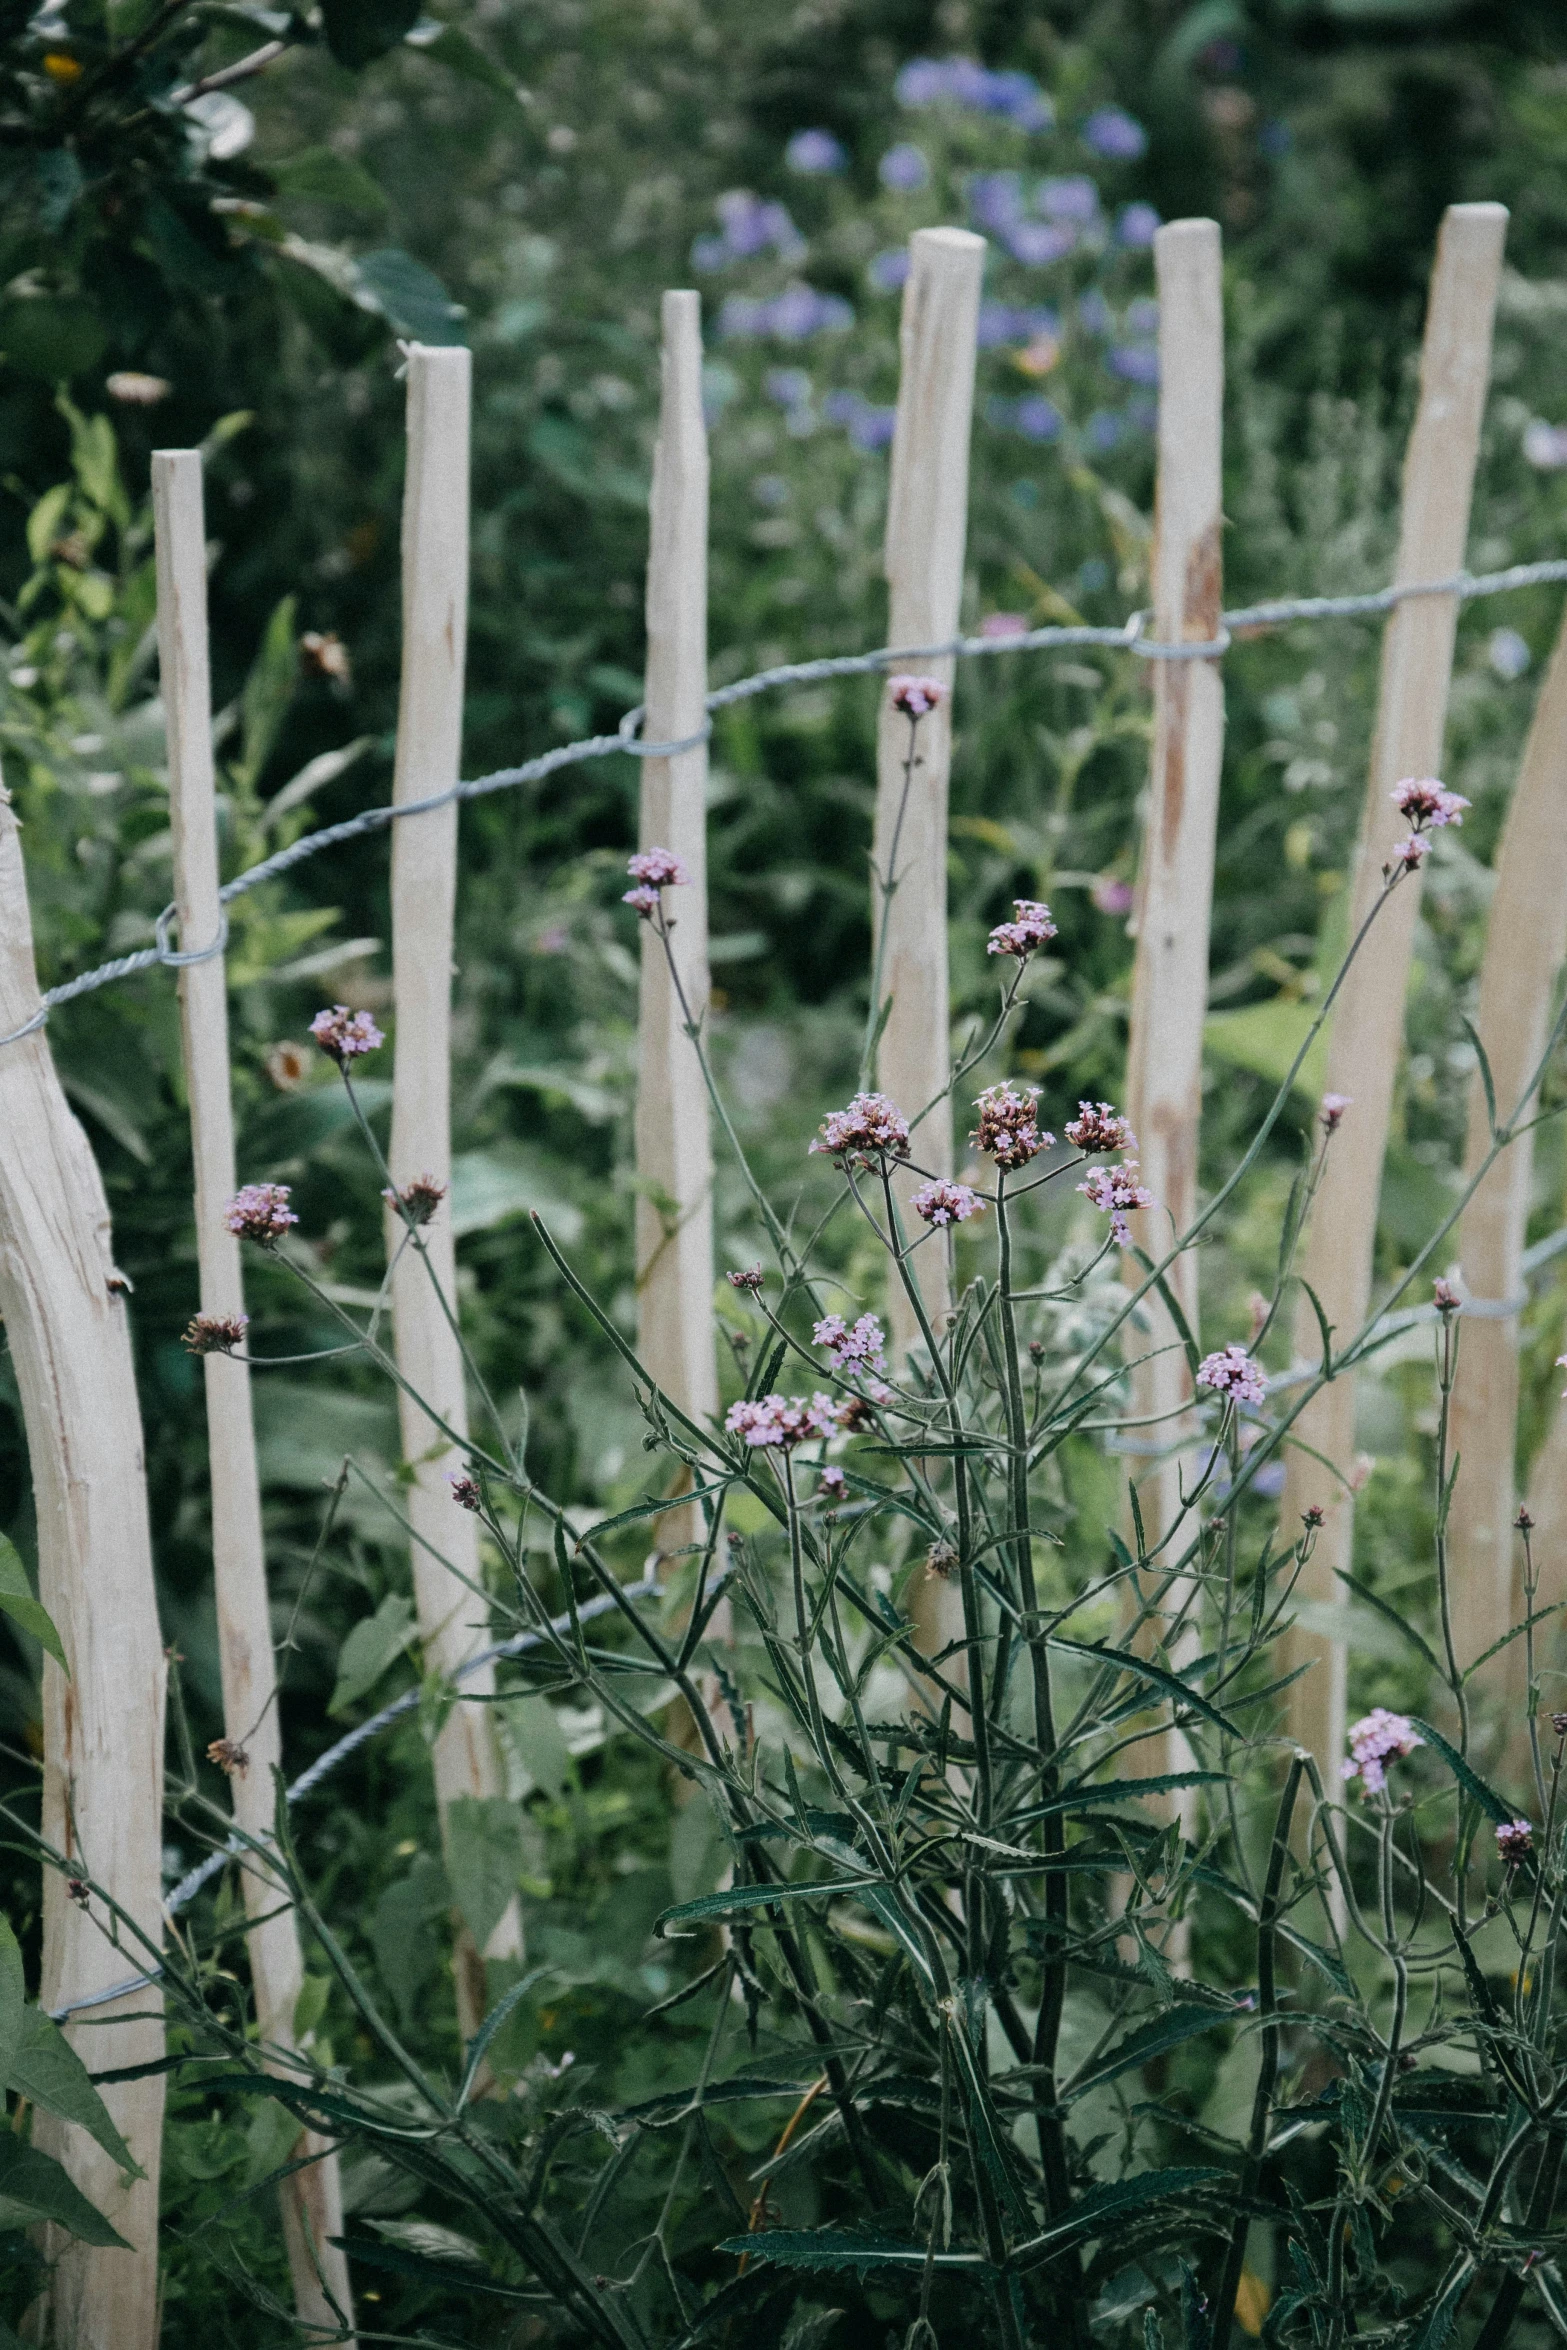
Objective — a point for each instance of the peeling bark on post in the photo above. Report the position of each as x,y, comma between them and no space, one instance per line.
1175,880
1526,939
424,894
311,2199
64,1311
676,1332
927,528
1368,1025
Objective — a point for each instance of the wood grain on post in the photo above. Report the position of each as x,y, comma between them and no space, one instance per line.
63,1306
311,2199
1368,1025
927,527
1526,939
424,896
676,1333
1175,879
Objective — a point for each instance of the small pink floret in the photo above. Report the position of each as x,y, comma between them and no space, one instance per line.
1115,1193
780,1422
1514,1841
1232,1371
644,900
916,697
1334,1106
870,1128
345,1035
856,1350
942,1203
260,1212
1428,804
1377,1739
659,868
1031,928
1098,1127
1009,1130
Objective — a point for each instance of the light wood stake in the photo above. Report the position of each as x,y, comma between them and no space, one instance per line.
1368,1025
312,2201
1526,938
424,893
676,1335
1175,880
63,1306
927,527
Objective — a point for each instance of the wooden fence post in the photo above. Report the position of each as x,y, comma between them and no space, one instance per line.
927,526
311,2199
1526,938
64,1311
676,1332
1175,879
1368,1025
424,892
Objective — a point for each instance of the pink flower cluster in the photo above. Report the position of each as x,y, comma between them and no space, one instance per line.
854,1351
216,1334
1428,806
1333,1107
1116,1195
1009,1130
1233,1372
1098,1127
1514,1841
942,1203
1030,929
344,1034
870,1129
1445,1297
916,697
260,1212
653,870
1377,1739
780,1422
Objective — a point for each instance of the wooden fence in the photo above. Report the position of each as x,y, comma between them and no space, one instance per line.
64,1306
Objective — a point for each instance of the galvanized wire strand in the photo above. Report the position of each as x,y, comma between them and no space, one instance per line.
1128,637
181,1895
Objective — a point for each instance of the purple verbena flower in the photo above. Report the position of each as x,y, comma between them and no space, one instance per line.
658,868
1427,804
1032,927
856,1350
942,1203
260,1212
780,1422
750,1278
1333,1107
345,1035
1115,1194
1099,1127
644,901
1377,1739
216,1334
417,1201
870,1130
916,697
1408,856
1514,1841
1232,1372
833,1483
1009,1130
1445,1297
465,1490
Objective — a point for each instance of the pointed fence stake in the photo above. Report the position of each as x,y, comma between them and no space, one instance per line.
1526,939
1368,1026
1175,881
676,1333
311,2199
424,894
63,1306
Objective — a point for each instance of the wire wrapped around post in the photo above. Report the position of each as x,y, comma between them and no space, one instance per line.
1368,1025
311,2198
450,1605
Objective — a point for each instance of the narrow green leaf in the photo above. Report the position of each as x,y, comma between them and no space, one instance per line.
17,1602
742,1897
1486,1797
837,2248
1150,2040
1373,1599
1101,2209
33,2187
13,1999
1142,1668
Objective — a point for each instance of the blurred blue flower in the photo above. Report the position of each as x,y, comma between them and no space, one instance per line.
771,489
1093,313
790,317
1142,414
888,271
1093,575
1110,131
814,151
1134,363
1074,198
959,81
1000,323
753,223
789,386
1508,653
1137,225
1103,430
1039,241
710,253
1142,316
1035,417
995,200
872,428
842,407
904,167
1275,139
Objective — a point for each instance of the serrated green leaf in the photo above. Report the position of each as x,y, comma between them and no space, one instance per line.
836,2248
1150,2040
742,1897
484,1859
1106,2205
13,2001
17,1602
1469,1779
46,2068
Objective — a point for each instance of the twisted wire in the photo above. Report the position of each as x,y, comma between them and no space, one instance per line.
1128,637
